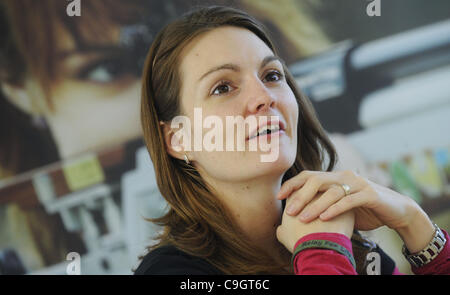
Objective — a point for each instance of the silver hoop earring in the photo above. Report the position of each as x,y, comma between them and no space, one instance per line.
186,159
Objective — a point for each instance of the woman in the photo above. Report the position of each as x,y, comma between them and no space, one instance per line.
225,213
65,82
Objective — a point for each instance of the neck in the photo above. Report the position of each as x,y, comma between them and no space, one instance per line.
254,206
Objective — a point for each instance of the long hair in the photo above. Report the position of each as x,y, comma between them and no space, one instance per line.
197,222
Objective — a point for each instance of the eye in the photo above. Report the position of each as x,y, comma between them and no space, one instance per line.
223,88
103,71
273,76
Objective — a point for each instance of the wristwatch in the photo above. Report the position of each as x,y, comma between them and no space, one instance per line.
429,253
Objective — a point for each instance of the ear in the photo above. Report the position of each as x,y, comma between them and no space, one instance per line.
172,141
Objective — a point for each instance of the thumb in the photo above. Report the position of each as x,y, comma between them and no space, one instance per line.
279,233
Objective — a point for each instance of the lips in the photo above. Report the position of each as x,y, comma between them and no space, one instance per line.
269,127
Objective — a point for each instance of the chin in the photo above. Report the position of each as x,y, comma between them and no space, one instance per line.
280,165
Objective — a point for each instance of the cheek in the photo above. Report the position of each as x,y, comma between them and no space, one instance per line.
291,101
83,121
220,165
289,105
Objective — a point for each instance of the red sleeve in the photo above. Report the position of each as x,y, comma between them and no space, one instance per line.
330,262
439,265
324,261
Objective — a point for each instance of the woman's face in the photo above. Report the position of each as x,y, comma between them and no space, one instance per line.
96,101
246,81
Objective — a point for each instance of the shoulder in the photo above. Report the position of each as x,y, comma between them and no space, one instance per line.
169,260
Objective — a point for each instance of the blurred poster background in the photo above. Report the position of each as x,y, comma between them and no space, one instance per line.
75,175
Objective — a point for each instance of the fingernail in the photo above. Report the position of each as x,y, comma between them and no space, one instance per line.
304,215
290,209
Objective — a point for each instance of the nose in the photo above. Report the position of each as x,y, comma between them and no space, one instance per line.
260,98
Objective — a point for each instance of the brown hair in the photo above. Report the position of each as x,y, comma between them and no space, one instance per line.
197,222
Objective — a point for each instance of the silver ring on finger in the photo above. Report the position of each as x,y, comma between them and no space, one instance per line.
346,188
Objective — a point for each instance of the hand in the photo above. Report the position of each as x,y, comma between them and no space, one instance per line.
373,204
292,229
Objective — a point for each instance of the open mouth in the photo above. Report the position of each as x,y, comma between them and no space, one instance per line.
269,129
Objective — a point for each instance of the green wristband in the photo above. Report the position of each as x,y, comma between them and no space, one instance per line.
324,244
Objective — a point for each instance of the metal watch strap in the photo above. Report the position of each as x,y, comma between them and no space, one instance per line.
430,252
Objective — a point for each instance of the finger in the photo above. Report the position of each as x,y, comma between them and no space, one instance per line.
323,202
294,183
279,233
313,185
298,200
346,203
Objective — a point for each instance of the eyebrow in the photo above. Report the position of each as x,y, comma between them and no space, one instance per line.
236,68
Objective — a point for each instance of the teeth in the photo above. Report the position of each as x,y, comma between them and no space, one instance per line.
267,129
